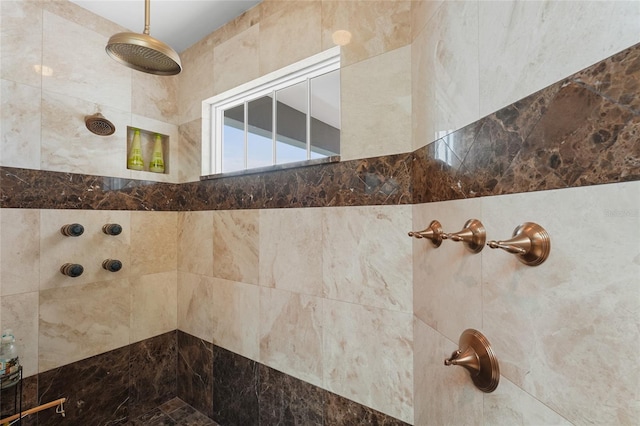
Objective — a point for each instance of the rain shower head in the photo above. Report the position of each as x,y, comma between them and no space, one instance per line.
143,52
99,125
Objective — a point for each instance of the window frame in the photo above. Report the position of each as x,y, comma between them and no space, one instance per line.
214,107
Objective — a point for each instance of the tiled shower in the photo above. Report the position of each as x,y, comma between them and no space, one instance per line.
296,297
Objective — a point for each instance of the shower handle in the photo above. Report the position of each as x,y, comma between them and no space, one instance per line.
477,357
473,235
433,233
530,242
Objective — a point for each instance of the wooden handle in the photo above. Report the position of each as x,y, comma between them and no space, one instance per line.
33,410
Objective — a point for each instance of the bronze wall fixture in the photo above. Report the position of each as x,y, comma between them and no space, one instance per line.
475,355
433,233
530,243
472,235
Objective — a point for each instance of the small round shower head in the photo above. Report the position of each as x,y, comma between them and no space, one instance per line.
99,125
144,53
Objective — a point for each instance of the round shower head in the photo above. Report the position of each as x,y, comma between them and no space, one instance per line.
99,125
144,53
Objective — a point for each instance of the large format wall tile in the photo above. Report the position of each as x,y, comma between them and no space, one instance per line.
343,411
20,124
235,389
286,400
98,393
236,317
447,287
443,395
368,356
280,21
100,81
154,239
510,405
154,310
291,237
78,15
575,312
237,25
21,43
153,377
376,106
82,321
236,245
444,80
421,14
514,64
20,251
195,305
195,356
89,249
195,82
249,393
576,132
615,77
67,144
195,242
155,96
366,256
189,160
291,327
376,27
236,60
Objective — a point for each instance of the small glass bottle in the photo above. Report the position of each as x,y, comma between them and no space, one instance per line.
157,160
135,161
9,360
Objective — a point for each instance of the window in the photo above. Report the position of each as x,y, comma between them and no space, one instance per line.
289,116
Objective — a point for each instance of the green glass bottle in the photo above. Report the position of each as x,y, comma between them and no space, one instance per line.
135,161
157,160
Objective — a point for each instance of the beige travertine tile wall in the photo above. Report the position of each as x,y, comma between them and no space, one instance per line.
332,304
471,58
275,34
57,319
372,328
54,72
549,325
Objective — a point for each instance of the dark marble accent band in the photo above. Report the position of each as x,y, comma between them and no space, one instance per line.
106,389
235,389
246,392
96,389
195,372
152,379
131,382
285,400
578,132
372,181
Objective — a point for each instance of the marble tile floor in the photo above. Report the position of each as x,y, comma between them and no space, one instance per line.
174,412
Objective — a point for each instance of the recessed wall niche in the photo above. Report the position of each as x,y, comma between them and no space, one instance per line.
147,142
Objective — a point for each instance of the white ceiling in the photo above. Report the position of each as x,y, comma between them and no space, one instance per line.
178,23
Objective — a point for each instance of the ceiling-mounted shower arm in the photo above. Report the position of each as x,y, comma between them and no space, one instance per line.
147,14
